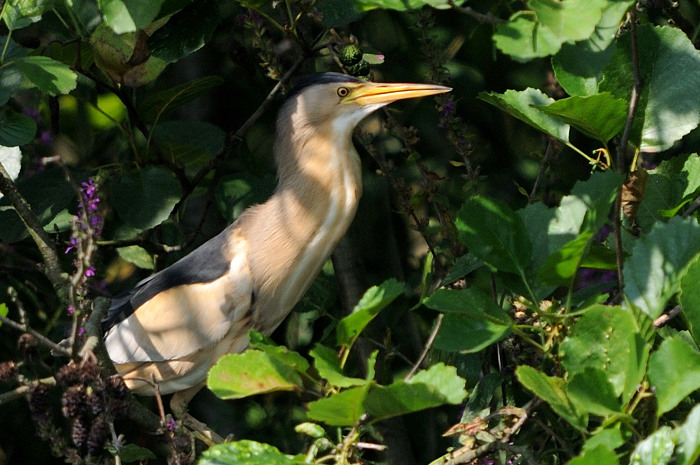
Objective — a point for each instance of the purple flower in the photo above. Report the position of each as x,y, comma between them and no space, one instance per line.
448,109
45,137
71,310
90,272
73,244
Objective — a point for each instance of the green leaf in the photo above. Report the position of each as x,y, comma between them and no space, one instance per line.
372,302
472,302
609,438
338,12
524,38
591,391
3,311
664,191
522,105
253,372
495,234
129,15
144,199
551,390
327,364
403,5
50,76
236,192
652,273
462,267
674,372
19,14
657,449
11,160
690,298
664,54
280,353
561,267
163,103
342,409
137,256
190,144
596,456
131,453
599,116
244,452
688,450
607,338
429,388
579,67
181,36
16,129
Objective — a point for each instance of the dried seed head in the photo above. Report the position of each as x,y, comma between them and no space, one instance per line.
8,371
118,409
95,401
69,374
27,344
89,372
39,401
99,432
115,387
73,402
79,432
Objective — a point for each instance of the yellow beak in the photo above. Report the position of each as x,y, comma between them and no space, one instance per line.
372,93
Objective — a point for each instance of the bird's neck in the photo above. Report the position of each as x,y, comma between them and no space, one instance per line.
298,228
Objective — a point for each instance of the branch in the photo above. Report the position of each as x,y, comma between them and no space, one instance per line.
35,229
484,18
622,148
426,348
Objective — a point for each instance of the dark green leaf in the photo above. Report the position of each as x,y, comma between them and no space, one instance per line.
495,234
50,76
16,129
327,364
462,267
144,199
652,274
190,144
236,192
674,372
131,453
253,372
472,302
690,298
372,302
244,453
599,116
551,390
338,12
166,101
462,333
181,35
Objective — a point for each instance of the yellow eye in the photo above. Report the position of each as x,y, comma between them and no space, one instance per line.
343,91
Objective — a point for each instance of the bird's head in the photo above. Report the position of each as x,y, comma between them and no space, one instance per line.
343,101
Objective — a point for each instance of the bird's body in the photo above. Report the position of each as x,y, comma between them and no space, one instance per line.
174,325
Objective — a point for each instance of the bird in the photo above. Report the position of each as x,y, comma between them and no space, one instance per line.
173,326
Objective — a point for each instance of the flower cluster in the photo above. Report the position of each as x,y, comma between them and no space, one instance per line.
87,226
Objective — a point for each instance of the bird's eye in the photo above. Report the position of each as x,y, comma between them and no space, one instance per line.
343,91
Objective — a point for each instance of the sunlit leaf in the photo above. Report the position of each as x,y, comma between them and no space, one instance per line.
690,298
278,352
50,76
327,364
674,372
592,392
129,15
244,452
599,116
596,456
656,449
137,256
688,449
342,409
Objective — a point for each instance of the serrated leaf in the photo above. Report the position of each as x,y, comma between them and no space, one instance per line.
674,372
372,302
145,198
16,129
137,256
688,449
652,273
50,76
607,338
181,36
592,392
551,390
522,105
280,353
19,14
495,234
664,54
327,364
657,449
253,372
438,385
599,116
166,101
342,409
244,452
690,298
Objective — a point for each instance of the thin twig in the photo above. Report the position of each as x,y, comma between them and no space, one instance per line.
622,148
484,18
23,390
543,168
40,337
426,348
666,317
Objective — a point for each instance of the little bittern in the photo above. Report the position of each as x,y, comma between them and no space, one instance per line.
173,326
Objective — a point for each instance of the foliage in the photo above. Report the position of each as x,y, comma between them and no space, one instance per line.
527,293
